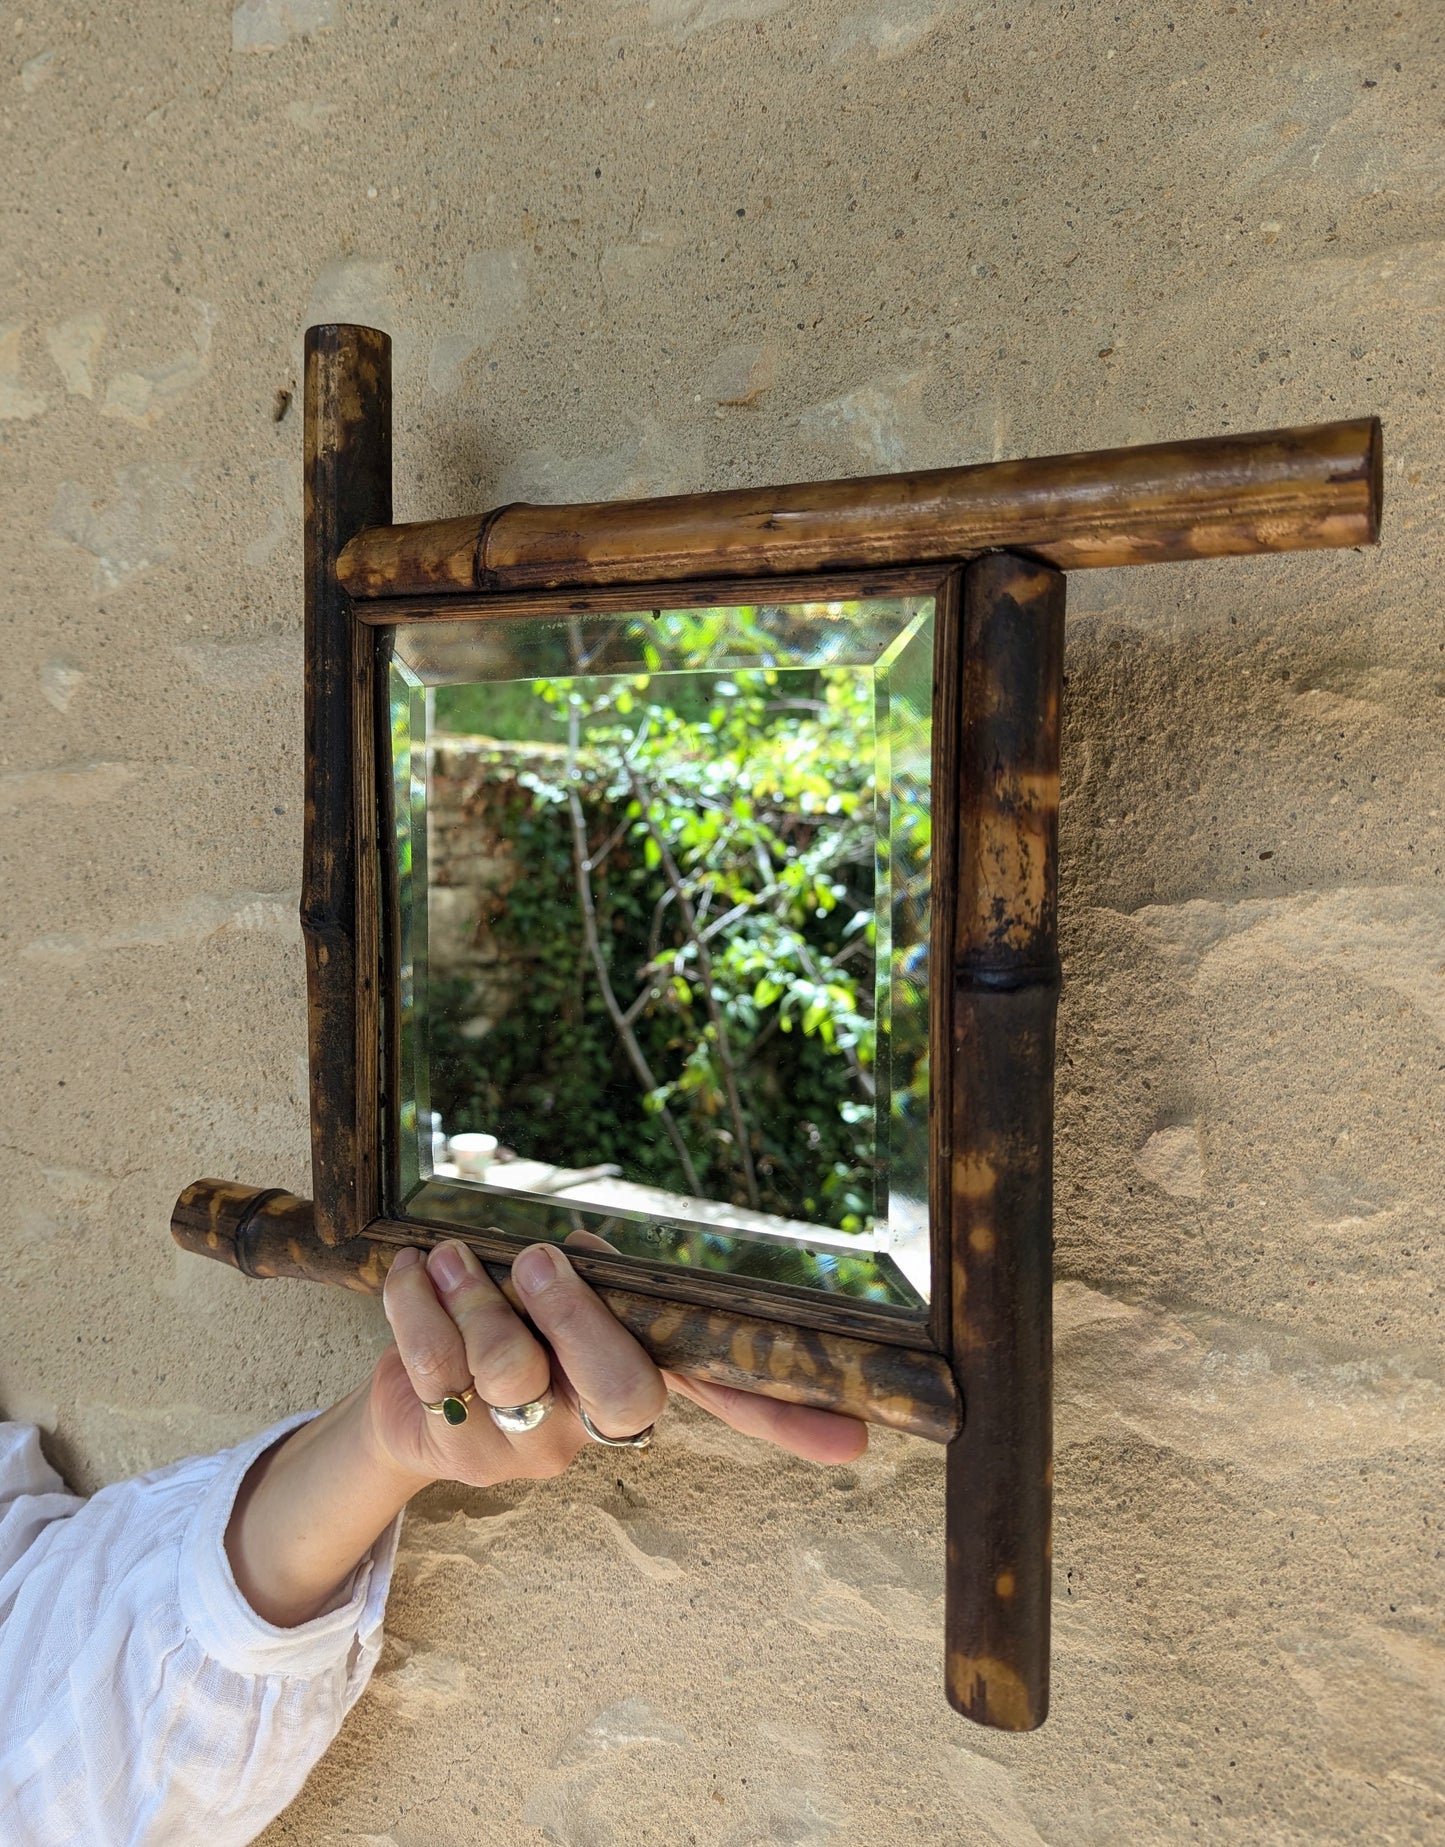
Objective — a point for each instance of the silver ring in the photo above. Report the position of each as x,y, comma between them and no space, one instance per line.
517,1419
643,1439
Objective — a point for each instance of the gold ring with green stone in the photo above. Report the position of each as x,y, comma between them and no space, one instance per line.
453,1407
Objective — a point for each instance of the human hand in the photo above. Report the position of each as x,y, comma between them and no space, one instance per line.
454,1328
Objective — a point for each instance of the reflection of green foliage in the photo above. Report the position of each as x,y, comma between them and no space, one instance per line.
550,1076
507,709
731,819
765,804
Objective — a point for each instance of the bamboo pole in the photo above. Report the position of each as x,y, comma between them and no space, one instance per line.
1005,989
1212,497
264,1233
348,486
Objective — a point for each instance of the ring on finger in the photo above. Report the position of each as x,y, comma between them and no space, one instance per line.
517,1419
453,1407
642,1440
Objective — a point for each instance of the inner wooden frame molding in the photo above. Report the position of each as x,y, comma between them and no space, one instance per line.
991,543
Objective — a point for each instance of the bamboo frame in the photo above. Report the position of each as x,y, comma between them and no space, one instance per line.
266,1233
990,543
1004,997
348,483
1213,497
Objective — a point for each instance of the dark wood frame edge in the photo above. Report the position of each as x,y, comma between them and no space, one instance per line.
657,593
1004,997
347,396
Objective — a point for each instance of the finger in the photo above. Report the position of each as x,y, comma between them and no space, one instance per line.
816,1436
427,1338
507,1364
590,1241
617,1384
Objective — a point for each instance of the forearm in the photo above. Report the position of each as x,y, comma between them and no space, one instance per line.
311,1508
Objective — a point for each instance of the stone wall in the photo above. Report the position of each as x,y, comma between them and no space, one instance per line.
470,870
634,248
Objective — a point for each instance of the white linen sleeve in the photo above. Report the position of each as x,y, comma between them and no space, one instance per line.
143,1702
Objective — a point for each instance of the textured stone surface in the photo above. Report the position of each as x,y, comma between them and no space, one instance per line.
74,346
659,245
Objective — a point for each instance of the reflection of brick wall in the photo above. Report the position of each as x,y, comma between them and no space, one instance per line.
470,869
472,787
470,865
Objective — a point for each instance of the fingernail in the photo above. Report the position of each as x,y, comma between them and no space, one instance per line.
406,1257
447,1266
536,1269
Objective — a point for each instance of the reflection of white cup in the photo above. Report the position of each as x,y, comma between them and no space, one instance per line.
473,1154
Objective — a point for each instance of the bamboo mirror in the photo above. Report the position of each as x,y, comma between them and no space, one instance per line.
685,872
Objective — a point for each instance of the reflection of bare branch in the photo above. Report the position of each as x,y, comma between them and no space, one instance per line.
657,961
639,1005
654,935
636,1057
594,860
704,969
719,924
639,738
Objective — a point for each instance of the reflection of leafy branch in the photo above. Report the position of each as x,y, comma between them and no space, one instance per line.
756,814
863,1079
696,757
620,1020
643,797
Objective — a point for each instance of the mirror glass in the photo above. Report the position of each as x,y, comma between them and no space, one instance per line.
661,928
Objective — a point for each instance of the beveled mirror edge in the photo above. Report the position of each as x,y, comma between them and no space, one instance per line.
655,593
947,719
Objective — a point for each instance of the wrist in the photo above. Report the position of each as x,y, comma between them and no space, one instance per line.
400,1476
310,1508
